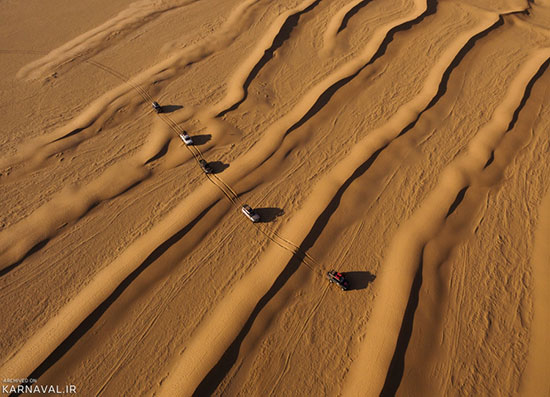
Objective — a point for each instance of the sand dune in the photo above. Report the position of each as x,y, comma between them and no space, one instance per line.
406,249
401,143
91,42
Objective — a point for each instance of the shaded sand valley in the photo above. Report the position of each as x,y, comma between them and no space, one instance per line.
403,143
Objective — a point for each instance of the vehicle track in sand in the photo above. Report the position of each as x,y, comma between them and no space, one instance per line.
295,116
406,249
101,109
93,41
358,153
238,304
85,200
296,336
491,22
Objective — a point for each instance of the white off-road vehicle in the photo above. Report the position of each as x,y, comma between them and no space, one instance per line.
250,213
186,138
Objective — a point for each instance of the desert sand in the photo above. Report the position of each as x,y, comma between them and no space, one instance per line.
405,143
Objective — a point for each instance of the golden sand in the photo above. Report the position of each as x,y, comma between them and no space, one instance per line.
404,143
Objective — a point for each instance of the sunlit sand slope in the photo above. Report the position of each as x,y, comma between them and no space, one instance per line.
403,143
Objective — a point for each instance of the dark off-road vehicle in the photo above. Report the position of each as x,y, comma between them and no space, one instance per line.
339,279
205,167
157,107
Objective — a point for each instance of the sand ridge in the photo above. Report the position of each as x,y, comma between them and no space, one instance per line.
320,160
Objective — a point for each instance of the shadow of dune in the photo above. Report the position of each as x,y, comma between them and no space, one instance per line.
524,99
359,280
269,214
459,57
89,321
459,198
282,36
351,13
37,247
397,365
325,97
527,94
491,159
431,8
442,89
220,370
160,153
72,133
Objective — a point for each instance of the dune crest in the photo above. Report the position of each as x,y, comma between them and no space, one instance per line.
404,145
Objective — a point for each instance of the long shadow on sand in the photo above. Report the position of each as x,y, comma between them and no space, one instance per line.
34,249
88,323
282,36
351,13
215,376
397,366
325,97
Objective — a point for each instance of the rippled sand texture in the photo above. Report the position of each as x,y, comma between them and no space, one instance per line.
403,142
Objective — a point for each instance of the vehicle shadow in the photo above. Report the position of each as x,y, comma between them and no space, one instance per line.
217,166
170,108
201,139
359,280
269,214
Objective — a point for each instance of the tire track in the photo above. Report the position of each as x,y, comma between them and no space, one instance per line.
534,380
440,72
306,106
94,41
233,369
404,255
40,345
14,247
311,102
296,337
101,109
236,305
332,187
